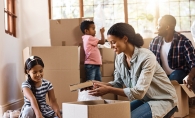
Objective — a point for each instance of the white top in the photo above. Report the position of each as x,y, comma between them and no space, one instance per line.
164,55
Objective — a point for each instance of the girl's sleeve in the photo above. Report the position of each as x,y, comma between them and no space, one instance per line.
50,86
26,85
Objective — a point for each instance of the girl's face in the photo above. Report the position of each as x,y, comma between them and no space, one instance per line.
36,73
118,44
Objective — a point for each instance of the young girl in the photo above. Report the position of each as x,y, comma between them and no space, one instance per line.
35,89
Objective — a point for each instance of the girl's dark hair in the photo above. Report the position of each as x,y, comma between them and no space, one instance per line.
85,25
30,63
123,29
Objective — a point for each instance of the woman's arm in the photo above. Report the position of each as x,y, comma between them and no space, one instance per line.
53,102
30,96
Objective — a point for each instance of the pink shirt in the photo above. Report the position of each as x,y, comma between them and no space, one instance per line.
92,53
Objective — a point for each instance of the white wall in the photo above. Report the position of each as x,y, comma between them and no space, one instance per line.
35,22
32,30
10,67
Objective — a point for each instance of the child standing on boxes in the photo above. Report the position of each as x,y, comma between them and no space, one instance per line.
35,89
92,54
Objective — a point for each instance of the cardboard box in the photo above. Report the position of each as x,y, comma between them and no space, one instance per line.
66,32
110,96
107,79
74,87
182,93
122,98
97,109
56,57
108,55
147,42
61,79
107,69
82,73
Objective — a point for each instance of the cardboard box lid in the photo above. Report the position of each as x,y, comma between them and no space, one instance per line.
74,87
190,93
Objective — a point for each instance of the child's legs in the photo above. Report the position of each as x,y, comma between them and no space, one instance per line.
98,73
27,112
90,71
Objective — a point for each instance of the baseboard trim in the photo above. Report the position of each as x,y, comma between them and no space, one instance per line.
11,106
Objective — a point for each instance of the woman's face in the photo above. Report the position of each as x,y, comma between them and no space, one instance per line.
36,73
118,44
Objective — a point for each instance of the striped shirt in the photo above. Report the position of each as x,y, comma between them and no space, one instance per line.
181,54
41,92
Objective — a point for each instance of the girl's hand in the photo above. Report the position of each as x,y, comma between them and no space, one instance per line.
58,114
39,116
99,89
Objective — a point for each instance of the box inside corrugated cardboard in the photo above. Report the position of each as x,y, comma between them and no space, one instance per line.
61,79
107,69
183,94
122,98
107,79
147,42
66,32
108,55
56,57
96,109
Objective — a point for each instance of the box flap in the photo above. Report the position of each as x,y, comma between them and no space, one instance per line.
174,82
190,93
74,87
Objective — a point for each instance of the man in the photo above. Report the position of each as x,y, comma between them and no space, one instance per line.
174,52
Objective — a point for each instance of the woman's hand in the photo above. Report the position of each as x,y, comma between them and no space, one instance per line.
99,89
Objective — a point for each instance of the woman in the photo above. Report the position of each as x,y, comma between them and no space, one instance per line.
148,88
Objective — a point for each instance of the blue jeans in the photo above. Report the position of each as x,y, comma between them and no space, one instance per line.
140,109
178,75
93,72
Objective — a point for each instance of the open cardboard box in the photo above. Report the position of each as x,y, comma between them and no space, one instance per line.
183,94
97,109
